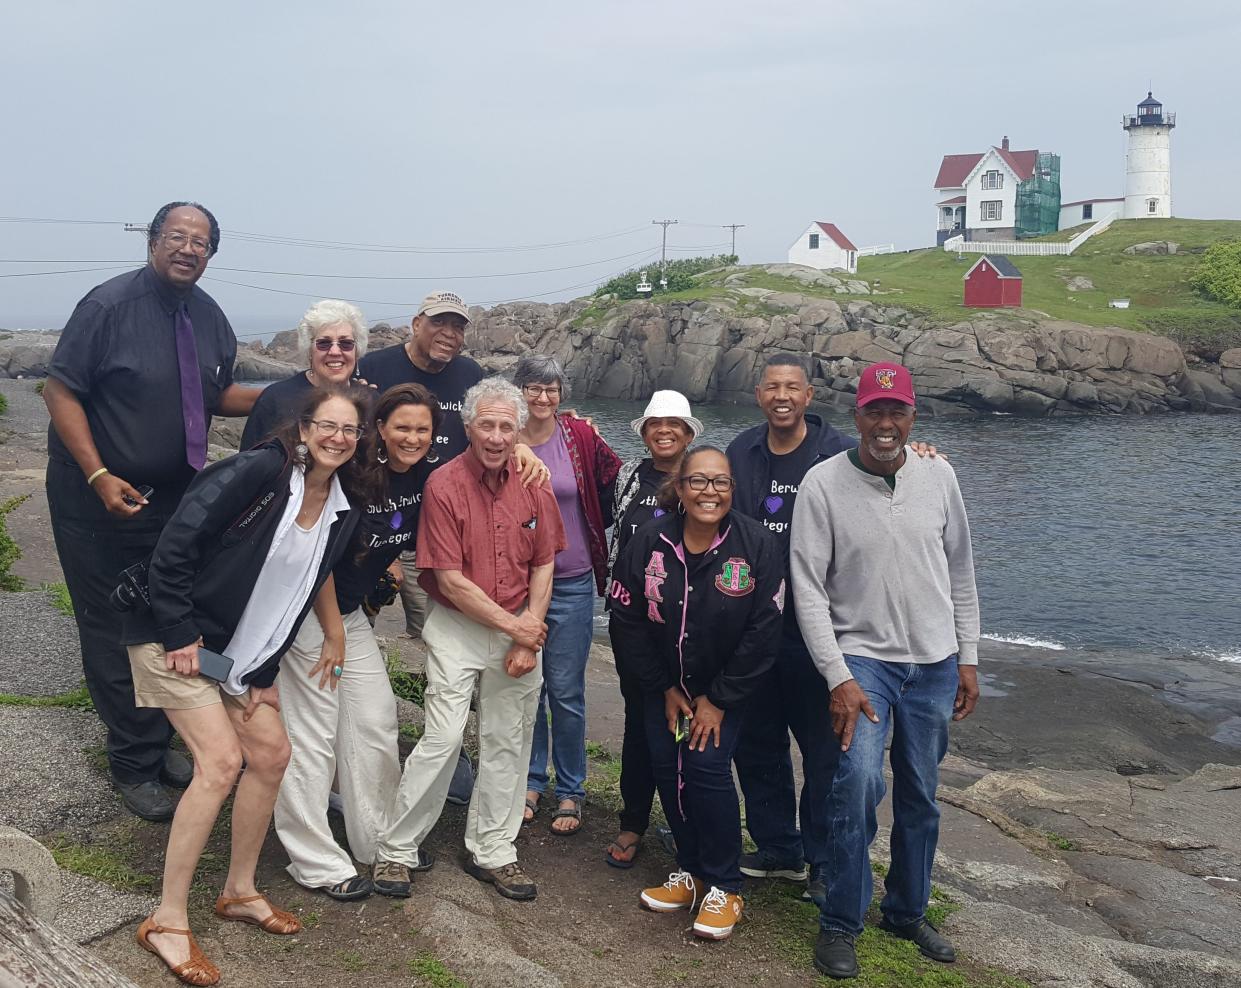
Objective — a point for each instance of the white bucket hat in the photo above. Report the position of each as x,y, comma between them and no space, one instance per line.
668,405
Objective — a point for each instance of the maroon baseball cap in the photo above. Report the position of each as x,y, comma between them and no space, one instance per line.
885,381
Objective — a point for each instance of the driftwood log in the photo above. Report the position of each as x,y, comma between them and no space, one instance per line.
36,955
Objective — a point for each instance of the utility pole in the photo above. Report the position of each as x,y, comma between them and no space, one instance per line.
734,227
663,259
137,228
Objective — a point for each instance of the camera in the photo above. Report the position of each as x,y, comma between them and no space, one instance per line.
381,595
132,593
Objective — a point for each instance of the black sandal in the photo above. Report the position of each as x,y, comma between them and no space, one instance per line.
351,889
573,813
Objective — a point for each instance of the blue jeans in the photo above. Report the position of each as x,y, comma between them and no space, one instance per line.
916,702
792,696
570,623
705,817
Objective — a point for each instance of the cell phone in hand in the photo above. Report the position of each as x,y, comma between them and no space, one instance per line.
145,492
682,728
213,665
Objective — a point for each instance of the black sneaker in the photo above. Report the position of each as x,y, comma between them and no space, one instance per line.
425,861
148,800
510,881
816,889
761,864
177,770
929,941
834,955
391,878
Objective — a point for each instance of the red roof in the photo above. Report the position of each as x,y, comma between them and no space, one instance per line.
954,201
955,168
838,238
1082,202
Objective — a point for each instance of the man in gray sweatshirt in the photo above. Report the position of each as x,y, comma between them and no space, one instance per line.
883,573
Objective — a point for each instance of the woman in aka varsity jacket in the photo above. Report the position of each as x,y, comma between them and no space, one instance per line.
235,571
696,602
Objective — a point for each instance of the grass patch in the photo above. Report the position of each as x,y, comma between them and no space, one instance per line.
405,684
10,551
353,960
1158,287
409,732
603,777
1060,842
60,597
776,916
432,972
78,699
39,385
101,863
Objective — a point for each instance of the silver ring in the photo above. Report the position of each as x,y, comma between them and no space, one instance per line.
337,670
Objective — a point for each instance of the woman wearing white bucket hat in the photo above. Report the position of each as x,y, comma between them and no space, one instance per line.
666,427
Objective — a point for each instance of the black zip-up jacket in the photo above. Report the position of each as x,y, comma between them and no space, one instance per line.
711,629
748,457
213,548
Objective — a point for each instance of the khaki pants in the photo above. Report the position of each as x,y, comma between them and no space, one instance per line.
350,732
459,652
413,598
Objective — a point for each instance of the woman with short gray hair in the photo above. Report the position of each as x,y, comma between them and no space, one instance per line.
583,468
331,337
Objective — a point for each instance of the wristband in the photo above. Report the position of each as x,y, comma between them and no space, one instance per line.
90,481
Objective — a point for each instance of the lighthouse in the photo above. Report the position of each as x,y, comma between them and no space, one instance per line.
1148,162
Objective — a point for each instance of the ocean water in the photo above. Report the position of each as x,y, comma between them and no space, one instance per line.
1089,532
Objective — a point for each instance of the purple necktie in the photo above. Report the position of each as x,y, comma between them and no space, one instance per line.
192,410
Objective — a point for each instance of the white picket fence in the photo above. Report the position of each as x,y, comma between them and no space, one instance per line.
877,249
1029,248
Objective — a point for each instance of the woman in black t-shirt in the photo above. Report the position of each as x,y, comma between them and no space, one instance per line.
338,704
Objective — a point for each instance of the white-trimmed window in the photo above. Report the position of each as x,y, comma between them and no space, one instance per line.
992,209
814,241
993,180
1151,206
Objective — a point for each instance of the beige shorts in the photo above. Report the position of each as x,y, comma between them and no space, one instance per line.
155,685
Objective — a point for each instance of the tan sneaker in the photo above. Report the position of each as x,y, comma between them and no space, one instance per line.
720,912
680,891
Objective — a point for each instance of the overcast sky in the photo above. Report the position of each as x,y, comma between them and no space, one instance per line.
500,125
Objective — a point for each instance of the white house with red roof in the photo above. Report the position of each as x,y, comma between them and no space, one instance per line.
976,194
823,246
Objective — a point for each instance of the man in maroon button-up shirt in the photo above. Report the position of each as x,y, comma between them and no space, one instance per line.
486,547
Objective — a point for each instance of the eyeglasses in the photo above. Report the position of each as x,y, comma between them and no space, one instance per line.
327,428
325,344
697,482
177,241
538,391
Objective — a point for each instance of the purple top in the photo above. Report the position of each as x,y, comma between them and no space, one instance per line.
575,559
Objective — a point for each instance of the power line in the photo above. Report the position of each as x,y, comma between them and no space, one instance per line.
734,227
663,261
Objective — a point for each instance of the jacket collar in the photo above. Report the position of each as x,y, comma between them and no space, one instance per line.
814,430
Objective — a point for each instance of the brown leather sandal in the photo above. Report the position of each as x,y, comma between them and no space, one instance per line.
195,971
279,922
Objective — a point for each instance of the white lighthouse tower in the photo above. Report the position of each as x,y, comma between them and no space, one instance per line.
1148,162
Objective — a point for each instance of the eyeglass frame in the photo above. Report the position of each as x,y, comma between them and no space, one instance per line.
712,482
345,343
319,424
550,391
177,240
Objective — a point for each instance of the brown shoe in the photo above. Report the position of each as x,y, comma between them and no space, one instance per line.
278,922
510,881
195,971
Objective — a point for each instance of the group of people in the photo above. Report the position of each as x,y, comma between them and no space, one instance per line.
797,581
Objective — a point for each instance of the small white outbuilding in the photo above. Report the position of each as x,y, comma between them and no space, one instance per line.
823,246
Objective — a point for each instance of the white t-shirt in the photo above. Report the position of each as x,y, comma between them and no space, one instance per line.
283,584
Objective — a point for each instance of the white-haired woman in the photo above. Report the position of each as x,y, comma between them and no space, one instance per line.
331,338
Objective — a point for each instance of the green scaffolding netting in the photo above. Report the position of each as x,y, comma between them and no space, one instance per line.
1038,199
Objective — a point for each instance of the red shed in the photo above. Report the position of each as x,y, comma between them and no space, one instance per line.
992,282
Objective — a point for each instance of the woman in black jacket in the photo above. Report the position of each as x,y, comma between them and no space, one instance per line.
696,602
234,572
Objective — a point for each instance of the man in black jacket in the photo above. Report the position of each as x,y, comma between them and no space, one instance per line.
768,463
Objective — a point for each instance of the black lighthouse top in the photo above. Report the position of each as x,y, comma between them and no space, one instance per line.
1150,114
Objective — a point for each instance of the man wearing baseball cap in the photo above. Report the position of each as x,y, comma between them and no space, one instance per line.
883,573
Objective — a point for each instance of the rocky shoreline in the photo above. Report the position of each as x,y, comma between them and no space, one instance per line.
1016,362
1088,835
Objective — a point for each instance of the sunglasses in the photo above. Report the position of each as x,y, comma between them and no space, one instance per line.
325,344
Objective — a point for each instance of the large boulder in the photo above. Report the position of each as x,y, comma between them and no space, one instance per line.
1153,248
26,353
